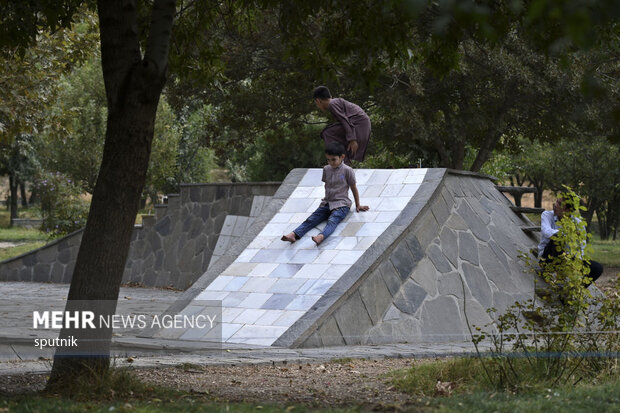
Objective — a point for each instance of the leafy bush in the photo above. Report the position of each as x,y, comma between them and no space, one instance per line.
62,207
565,336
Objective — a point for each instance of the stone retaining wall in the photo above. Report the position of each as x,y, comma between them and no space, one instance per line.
172,248
458,253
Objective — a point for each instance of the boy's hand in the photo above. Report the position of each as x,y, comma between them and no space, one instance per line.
359,208
352,147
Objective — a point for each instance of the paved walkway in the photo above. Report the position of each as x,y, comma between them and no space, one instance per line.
18,355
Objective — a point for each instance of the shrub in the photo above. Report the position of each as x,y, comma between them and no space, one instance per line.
565,336
62,207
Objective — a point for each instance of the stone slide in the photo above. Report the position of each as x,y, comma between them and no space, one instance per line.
437,246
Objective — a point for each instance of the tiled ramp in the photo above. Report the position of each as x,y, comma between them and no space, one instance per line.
272,283
385,275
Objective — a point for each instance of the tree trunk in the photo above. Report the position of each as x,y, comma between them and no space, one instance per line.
602,224
538,195
22,191
133,86
13,187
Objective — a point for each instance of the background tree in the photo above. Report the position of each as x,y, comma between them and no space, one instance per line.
18,160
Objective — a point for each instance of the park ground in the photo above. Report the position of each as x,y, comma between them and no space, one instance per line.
338,385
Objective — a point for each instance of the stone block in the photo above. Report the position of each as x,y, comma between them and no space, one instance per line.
473,222
452,284
375,295
449,245
391,278
313,341
403,261
47,255
478,285
441,320
56,273
499,254
195,194
330,333
163,227
353,319
495,270
410,297
66,278
218,222
65,256
426,275
482,212
222,191
504,241
427,229
439,260
25,274
154,241
41,273
440,209
448,198
197,227
30,260
414,246
468,248
149,278
205,211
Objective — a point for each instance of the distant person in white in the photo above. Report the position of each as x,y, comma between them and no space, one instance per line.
547,248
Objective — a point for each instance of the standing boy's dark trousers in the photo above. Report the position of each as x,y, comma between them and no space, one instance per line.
321,214
550,251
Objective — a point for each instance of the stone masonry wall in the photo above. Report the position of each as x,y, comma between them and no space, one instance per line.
173,248
459,253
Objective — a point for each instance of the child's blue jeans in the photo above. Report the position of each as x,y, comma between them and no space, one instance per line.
321,214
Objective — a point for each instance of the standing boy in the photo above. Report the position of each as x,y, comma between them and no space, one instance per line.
338,178
352,128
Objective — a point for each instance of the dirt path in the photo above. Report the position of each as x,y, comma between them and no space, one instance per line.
344,383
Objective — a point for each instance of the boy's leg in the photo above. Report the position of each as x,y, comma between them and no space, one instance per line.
318,216
596,270
335,217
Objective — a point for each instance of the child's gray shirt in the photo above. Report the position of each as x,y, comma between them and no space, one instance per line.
337,183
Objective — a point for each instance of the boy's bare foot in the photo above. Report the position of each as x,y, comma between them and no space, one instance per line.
318,239
289,237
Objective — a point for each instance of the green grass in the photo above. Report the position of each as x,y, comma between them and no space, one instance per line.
603,397
606,252
421,379
471,391
27,239
6,253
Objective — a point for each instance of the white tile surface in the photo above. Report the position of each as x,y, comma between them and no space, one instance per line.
311,271
263,269
373,229
255,300
249,316
258,284
219,283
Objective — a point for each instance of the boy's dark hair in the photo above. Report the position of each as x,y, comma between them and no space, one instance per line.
334,149
321,92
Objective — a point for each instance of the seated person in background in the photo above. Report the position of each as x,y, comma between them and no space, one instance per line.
548,247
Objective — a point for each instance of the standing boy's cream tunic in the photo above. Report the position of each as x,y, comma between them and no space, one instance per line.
353,124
